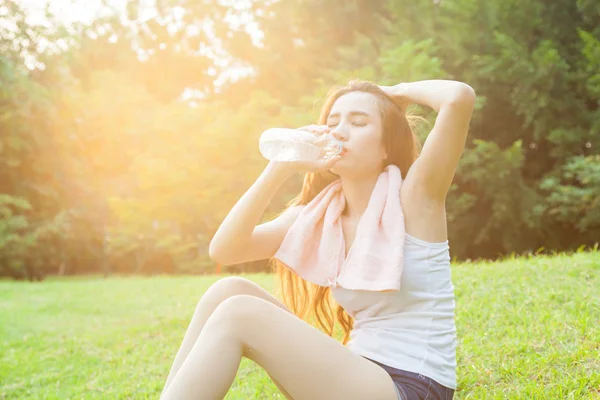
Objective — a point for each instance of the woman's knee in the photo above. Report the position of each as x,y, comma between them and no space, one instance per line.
232,285
225,288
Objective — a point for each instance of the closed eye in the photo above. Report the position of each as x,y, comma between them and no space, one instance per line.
355,123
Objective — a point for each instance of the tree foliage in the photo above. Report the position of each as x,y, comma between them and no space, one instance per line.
123,147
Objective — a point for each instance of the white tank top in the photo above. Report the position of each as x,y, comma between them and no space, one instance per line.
412,329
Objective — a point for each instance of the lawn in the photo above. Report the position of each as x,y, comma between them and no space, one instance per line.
528,329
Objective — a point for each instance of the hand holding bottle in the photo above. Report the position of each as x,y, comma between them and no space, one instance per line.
307,149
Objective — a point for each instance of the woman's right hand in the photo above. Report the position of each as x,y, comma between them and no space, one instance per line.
319,166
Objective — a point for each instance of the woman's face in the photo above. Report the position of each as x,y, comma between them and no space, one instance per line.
355,120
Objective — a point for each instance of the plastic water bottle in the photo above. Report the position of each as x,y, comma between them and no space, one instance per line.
284,144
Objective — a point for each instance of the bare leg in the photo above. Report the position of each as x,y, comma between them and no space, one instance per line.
215,295
310,364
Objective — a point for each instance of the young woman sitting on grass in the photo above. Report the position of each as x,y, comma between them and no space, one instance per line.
369,227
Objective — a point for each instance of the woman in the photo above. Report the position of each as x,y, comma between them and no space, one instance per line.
403,342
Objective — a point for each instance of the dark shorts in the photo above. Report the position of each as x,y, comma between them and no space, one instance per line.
414,386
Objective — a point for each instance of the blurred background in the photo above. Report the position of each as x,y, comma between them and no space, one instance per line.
128,129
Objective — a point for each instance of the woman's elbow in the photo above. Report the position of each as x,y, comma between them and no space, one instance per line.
215,254
464,94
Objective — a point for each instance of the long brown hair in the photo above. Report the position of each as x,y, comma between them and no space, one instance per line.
402,147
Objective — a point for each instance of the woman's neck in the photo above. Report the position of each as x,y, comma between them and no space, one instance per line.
357,192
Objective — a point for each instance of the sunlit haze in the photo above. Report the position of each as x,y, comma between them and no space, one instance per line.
71,11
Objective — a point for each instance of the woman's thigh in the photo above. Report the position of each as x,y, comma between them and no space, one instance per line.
231,286
307,362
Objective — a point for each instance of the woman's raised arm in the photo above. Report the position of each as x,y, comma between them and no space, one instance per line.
454,101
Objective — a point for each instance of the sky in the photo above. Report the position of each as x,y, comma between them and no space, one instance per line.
73,10
69,11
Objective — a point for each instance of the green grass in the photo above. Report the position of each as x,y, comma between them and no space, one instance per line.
528,329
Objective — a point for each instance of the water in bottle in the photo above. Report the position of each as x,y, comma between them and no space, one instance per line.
283,144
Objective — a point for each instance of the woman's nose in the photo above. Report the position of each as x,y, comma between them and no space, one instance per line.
339,134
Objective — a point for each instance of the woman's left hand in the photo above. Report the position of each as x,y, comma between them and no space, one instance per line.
396,94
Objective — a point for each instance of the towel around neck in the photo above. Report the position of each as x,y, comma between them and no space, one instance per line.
314,246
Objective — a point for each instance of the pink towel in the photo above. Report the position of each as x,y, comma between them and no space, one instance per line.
314,247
